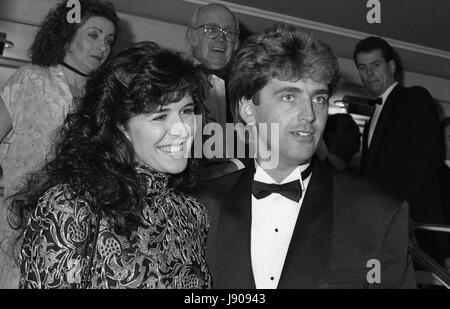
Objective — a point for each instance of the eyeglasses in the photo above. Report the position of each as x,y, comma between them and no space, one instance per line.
212,31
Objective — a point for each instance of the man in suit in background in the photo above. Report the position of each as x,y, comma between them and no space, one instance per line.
213,36
401,142
294,222
341,141
445,182
445,170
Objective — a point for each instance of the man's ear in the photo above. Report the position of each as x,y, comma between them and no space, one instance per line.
247,111
191,37
392,66
236,46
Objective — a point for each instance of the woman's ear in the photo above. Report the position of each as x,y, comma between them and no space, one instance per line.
392,66
247,111
124,131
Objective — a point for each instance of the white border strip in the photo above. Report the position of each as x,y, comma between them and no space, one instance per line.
276,17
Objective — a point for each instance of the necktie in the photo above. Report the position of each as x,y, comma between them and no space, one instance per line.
377,101
291,190
222,73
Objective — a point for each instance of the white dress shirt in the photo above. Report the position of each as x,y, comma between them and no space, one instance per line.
217,110
216,102
377,112
273,222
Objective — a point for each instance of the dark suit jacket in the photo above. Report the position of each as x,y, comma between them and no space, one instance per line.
404,155
445,186
343,223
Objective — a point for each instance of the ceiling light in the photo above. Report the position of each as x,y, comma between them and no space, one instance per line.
4,42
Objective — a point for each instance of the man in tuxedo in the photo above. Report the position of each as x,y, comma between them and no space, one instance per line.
294,222
445,182
401,142
445,171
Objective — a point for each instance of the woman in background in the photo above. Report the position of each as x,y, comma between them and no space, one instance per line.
109,211
37,98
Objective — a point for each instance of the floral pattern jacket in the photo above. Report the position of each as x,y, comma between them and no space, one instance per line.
168,252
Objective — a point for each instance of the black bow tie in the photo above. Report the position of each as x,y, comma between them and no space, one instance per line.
291,190
377,101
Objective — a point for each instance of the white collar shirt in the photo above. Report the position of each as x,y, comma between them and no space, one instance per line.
377,112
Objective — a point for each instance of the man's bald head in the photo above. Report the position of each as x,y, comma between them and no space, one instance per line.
212,8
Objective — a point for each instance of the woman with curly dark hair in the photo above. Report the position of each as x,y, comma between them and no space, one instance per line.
111,209
37,98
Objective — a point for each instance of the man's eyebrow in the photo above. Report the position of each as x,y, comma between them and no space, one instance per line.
288,89
372,62
298,90
190,104
321,91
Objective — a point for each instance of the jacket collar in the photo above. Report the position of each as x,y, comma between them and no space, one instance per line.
310,249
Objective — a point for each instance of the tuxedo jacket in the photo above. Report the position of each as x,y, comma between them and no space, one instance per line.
405,152
343,224
445,185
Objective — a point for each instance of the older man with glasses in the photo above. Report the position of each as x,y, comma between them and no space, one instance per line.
213,35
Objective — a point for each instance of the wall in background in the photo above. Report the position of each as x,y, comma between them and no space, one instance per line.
19,19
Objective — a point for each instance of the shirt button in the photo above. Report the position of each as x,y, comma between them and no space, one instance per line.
276,230
272,278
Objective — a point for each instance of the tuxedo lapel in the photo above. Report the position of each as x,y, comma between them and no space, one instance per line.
364,149
308,257
233,236
381,125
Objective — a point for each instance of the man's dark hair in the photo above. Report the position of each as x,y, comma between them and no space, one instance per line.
284,52
373,43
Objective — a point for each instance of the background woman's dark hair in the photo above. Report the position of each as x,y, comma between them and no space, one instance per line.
93,156
55,33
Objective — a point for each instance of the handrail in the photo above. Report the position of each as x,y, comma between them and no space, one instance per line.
432,227
423,259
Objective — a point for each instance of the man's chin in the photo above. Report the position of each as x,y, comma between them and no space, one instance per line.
217,64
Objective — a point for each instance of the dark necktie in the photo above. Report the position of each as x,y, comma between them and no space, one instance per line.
377,101
291,190
222,73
